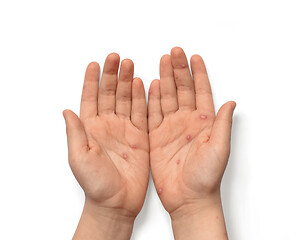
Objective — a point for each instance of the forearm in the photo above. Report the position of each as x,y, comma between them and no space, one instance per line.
98,223
201,220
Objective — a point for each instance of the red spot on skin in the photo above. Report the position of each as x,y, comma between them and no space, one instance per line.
203,116
206,139
160,191
183,65
133,146
124,156
217,217
188,137
178,162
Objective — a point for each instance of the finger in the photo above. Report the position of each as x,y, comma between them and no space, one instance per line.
169,101
139,108
204,98
221,130
107,89
184,81
155,116
124,89
76,137
90,91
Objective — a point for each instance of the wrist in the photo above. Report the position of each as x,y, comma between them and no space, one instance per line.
196,206
99,222
200,219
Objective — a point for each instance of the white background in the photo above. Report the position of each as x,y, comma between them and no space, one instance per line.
253,52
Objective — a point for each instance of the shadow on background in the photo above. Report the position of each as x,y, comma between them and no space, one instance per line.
234,178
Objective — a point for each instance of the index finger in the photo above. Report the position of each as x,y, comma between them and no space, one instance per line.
204,98
89,100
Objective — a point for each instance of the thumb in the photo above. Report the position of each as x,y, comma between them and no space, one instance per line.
76,137
221,131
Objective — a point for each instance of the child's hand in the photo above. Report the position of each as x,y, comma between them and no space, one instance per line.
109,149
189,146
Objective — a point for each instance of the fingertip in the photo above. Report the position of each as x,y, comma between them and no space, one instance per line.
113,56
165,58
66,112
94,66
232,104
138,86
176,51
66,117
154,86
137,82
155,82
127,63
197,64
196,59
178,58
126,69
111,64
166,68
70,116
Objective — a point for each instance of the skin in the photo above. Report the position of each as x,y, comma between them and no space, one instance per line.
108,149
189,146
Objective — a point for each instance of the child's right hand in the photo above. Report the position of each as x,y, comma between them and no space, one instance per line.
108,148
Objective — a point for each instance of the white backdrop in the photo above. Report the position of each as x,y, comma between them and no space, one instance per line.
253,52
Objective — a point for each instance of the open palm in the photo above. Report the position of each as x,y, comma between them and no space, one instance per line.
189,144
108,145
